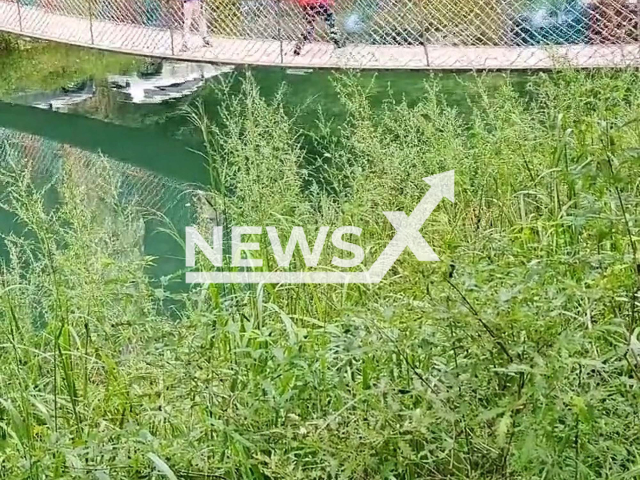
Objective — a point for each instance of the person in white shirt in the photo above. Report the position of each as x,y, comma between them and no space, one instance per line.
194,12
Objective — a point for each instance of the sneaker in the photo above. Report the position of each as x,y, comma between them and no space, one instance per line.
207,41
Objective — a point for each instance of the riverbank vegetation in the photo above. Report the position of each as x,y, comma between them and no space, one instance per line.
516,356
34,65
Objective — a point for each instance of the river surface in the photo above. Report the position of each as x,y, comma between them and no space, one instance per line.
137,124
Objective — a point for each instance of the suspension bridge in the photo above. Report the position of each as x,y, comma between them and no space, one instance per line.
378,34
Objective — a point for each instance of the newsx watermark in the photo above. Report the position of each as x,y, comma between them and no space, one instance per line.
407,236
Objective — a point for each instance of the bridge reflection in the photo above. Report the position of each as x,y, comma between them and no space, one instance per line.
138,147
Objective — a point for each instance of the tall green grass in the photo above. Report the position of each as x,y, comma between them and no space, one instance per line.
517,356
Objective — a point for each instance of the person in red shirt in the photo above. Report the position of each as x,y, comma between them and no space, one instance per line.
312,10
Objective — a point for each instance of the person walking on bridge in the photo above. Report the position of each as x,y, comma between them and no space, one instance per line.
194,11
312,10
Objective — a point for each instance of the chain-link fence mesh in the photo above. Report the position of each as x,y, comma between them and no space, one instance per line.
45,161
159,204
366,34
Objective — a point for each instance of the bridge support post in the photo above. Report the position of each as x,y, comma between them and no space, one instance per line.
91,20
279,15
638,20
19,14
426,49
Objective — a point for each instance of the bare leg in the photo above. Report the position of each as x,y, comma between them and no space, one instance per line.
188,9
310,13
334,34
202,21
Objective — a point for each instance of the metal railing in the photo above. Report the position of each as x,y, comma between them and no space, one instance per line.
368,33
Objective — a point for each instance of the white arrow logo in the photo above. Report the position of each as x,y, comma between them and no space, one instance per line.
407,235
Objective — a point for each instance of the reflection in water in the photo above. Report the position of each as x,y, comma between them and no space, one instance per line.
46,159
172,80
59,100
164,203
134,126
162,81
141,147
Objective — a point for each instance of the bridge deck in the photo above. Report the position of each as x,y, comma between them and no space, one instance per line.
165,43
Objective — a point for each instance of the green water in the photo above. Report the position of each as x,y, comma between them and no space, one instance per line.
159,139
